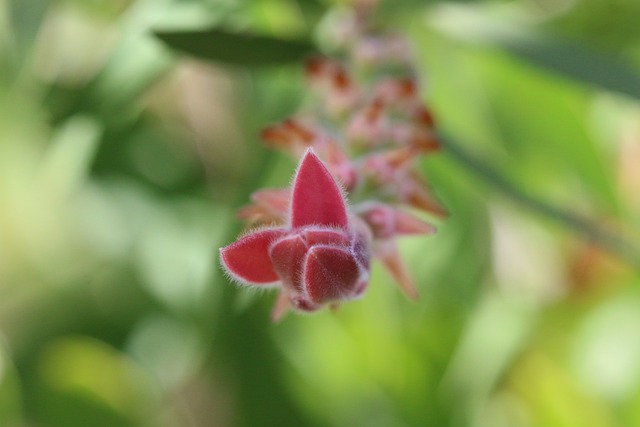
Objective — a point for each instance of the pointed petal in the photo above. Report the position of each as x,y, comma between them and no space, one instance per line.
299,131
276,199
276,136
316,198
405,223
247,260
400,158
289,134
330,274
386,221
287,257
281,307
388,253
417,194
423,200
424,116
380,219
426,142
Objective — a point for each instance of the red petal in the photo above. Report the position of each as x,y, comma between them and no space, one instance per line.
316,196
303,304
330,274
388,253
417,194
409,224
318,236
247,260
287,256
380,219
386,221
361,249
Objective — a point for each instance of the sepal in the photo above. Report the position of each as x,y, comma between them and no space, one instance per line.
247,260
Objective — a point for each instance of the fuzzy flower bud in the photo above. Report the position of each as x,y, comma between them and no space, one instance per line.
321,256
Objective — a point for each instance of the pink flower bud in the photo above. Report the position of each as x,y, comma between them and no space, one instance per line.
399,92
322,256
386,221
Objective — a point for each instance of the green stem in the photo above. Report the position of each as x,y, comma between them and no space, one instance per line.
611,241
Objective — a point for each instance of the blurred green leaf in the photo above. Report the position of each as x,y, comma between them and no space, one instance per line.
587,21
10,391
615,243
554,398
26,20
576,61
122,166
482,358
237,48
526,108
86,382
312,9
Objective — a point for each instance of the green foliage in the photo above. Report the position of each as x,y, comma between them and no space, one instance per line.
574,60
122,165
248,50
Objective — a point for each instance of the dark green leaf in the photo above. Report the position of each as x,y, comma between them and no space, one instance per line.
237,48
572,59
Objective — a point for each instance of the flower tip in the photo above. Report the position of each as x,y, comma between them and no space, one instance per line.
411,293
391,261
316,198
310,152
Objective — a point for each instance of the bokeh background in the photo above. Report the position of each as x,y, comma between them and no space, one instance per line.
123,160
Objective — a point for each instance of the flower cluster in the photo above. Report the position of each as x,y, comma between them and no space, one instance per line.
365,132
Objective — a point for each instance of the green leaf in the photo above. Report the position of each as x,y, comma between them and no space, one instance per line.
618,244
237,48
574,60
10,391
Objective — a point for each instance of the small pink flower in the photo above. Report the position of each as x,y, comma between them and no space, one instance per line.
336,88
269,206
320,257
386,221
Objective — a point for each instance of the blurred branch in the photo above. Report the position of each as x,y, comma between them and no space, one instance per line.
609,240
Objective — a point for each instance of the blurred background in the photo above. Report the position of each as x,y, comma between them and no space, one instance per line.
123,160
